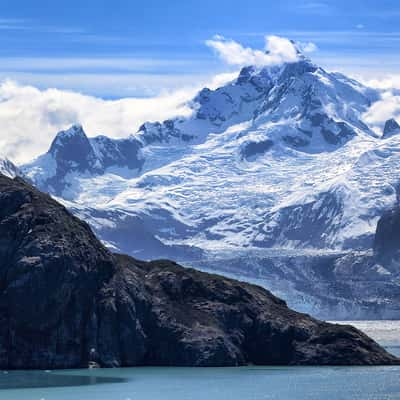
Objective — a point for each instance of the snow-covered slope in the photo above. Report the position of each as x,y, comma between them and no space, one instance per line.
279,157
7,168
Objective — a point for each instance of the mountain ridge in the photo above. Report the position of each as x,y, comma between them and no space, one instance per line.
73,152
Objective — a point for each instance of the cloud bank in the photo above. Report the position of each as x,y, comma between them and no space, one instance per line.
278,50
388,106
30,117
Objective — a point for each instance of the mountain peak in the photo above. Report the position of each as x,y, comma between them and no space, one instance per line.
71,144
298,67
391,128
69,136
297,103
74,130
73,152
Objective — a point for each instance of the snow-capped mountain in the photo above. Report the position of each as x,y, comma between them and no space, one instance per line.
297,104
72,154
7,168
278,158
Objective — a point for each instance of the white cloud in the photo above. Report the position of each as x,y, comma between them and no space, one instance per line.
307,47
277,51
30,117
386,82
387,107
222,79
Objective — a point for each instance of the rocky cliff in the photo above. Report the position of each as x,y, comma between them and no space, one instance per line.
387,238
66,301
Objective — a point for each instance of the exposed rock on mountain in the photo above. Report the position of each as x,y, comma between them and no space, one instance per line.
387,238
66,301
250,150
391,128
72,153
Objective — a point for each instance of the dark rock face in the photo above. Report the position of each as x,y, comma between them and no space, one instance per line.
165,132
72,147
250,150
66,301
73,152
118,152
387,237
391,128
218,321
48,280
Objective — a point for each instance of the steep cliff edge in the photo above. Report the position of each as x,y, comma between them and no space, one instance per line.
387,238
66,301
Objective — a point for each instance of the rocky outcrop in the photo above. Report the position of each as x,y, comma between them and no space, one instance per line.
250,149
72,153
391,128
387,238
66,301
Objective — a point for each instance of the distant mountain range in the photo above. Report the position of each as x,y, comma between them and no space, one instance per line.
280,158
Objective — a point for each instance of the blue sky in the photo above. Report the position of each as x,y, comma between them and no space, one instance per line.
122,48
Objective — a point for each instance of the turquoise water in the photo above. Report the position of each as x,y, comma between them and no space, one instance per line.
211,384
248,383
